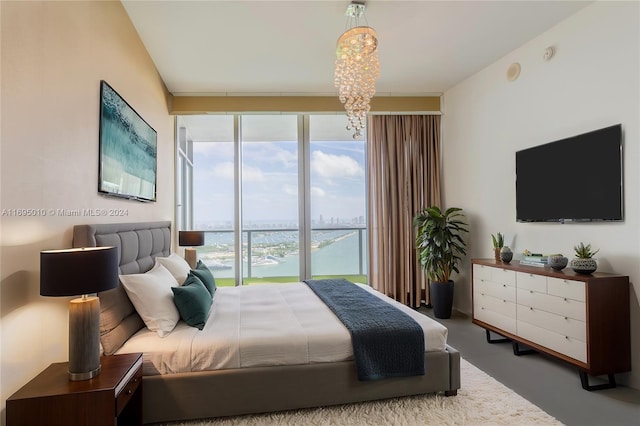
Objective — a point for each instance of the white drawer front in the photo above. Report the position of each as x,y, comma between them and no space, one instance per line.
570,289
501,306
558,305
496,319
503,276
490,288
531,282
481,272
556,323
566,345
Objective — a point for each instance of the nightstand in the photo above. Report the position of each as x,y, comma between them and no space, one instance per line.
113,397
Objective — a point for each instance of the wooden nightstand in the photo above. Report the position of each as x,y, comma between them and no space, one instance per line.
114,397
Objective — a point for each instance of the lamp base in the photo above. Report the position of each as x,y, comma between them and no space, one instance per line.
84,338
191,256
75,377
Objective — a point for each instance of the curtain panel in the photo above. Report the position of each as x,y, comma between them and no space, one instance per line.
403,171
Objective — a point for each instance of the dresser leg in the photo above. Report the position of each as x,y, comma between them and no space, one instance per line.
517,351
495,340
584,379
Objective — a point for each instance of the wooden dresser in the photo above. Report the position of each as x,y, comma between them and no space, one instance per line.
581,319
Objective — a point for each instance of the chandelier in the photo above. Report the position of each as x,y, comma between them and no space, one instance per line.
357,68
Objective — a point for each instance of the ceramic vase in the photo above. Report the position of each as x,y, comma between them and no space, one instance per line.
584,266
506,254
557,262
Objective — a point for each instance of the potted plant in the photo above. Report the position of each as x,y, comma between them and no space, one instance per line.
440,247
584,262
498,243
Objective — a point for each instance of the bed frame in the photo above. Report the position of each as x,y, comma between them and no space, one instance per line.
230,392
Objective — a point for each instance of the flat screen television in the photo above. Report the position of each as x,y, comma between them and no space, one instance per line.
128,150
577,179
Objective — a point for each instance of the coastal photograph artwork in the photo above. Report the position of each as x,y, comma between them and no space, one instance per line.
128,150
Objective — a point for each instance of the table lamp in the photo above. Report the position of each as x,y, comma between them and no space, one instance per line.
191,239
80,271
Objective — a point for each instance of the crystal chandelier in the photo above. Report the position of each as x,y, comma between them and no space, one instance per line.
357,68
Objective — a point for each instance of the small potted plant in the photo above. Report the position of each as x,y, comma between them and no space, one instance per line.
440,247
584,262
498,243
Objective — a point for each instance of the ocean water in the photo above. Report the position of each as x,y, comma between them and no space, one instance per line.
275,253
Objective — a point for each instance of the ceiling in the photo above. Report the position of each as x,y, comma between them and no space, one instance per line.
288,47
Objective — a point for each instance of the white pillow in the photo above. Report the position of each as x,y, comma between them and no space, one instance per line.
152,297
178,267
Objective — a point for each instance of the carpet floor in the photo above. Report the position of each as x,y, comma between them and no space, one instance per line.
482,400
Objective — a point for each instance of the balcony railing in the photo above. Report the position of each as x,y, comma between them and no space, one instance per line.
270,254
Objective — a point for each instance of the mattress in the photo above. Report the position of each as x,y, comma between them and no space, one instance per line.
262,325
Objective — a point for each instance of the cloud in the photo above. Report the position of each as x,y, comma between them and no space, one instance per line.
332,166
249,174
318,192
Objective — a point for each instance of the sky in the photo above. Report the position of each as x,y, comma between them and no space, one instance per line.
270,175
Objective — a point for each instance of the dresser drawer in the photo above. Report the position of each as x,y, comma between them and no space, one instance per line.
501,306
570,289
128,390
503,276
558,305
563,344
482,272
531,282
495,319
553,322
490,288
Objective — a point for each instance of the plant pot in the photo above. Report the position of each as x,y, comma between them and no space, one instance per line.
584,266
496,253
442,299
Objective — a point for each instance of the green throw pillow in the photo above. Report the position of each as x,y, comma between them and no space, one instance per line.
205,276
193,301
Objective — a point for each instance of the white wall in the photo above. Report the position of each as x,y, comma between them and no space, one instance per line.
591,82
54,55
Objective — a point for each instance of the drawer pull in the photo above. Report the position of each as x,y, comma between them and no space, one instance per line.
566,318
531,291
129,392
504,285
504,301
565,299
566,337
530,308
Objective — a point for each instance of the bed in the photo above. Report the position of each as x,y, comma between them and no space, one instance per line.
179,385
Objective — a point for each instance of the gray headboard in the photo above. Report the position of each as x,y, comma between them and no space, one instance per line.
138,246
138,243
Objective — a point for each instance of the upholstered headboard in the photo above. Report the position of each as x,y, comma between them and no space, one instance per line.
138,245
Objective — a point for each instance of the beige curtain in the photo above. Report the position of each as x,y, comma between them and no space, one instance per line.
403,168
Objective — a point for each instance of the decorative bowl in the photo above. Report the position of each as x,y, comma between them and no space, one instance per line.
557,262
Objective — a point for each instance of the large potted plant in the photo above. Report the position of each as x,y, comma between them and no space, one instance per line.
440,247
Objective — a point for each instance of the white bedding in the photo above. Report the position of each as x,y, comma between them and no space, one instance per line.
261,325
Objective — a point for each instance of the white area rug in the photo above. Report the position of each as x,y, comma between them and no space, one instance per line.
482,400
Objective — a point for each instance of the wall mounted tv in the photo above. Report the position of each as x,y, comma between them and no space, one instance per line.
577,179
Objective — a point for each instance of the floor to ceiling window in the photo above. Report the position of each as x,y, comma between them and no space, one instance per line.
280,197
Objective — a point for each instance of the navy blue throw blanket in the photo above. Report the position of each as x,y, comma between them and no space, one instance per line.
386,341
